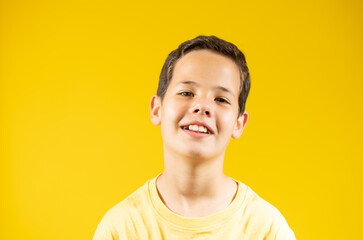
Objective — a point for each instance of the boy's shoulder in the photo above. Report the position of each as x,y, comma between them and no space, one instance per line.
260,206
123,215
133,203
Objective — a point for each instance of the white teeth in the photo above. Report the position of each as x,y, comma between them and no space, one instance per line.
197,128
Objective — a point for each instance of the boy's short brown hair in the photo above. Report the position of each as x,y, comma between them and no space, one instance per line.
211,43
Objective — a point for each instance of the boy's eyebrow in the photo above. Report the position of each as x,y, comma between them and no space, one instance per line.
218,87
190,83
225,90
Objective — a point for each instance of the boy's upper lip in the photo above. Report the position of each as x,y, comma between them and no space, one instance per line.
199,124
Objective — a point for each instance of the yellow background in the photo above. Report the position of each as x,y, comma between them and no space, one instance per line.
77,77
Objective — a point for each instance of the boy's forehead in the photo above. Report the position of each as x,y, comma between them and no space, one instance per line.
206,64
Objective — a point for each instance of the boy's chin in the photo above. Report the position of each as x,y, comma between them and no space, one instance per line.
198,154
193,152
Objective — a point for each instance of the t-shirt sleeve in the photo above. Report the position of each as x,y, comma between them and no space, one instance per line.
104,231
279,229
115,225
266,221
107,229
282,231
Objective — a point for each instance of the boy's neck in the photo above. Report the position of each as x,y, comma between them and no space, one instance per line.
187,184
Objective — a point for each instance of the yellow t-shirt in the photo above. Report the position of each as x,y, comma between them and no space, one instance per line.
143,215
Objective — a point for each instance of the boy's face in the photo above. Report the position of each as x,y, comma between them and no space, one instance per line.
199,112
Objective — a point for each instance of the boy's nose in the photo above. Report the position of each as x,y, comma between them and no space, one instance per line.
201,109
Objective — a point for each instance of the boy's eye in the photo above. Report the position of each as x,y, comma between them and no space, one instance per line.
187,94
222,100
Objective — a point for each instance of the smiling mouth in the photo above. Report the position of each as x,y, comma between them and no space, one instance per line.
197,128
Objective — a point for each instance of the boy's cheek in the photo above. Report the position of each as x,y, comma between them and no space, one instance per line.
227,122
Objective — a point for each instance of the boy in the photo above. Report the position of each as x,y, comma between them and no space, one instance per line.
200,105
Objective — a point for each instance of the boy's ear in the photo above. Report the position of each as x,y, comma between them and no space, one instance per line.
240,125
155,110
